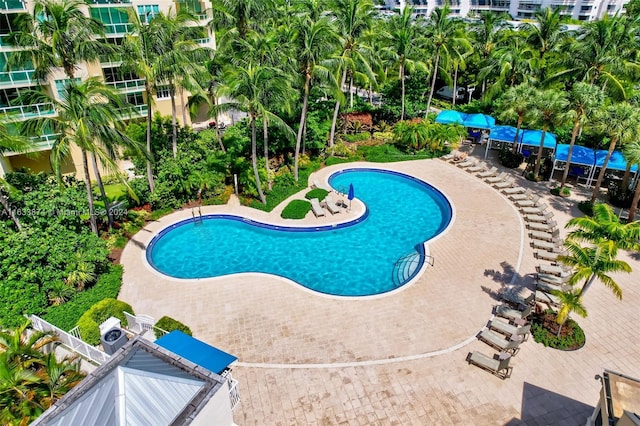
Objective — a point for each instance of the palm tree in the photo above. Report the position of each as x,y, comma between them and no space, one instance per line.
570,301
584,100
442,32
240,13
58,377
604,225
315,40
632,154
517,101
15,143
487,33
19,345
58,34
403,38
179,60
593,262
60,292
546,35
549,110
89,117
621,123
353,18
253,87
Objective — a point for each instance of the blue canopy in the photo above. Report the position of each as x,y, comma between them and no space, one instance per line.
504,134
450,116
532,138
479,121
616,162
581,155
196,351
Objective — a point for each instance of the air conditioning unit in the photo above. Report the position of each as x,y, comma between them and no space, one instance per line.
113,340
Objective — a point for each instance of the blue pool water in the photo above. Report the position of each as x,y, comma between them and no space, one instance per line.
354,259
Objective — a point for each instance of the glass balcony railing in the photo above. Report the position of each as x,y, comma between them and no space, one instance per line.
11,5
206,40
134,111
13,78
24,112
108,2
118,29
128,86
36,144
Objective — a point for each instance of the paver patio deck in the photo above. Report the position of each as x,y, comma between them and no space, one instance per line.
399,358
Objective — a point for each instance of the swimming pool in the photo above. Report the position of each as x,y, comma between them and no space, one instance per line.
352,259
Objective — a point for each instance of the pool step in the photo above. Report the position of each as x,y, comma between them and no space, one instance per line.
406,267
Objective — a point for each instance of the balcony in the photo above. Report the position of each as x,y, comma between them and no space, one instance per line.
127,86
36,144
203,41
118,30
17,78
107,2
134,111
24,112
12,5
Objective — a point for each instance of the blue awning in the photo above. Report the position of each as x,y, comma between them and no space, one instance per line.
532,138
450,116
196,351
479,121
581,155
504,134
616,162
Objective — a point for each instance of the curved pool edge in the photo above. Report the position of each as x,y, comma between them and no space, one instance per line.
416,275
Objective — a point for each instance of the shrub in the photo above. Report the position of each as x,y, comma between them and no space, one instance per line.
357,137
586,207
169,324
66,316
98,313
564,193
340,149
318,193
510,159
140,187
544,327
296,209
618,196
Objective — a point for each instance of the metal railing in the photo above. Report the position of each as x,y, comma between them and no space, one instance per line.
23,112
108,2
7,5
234,394
128,86
133,111
70,341
206,40
143,324
17,77
407,266
121,28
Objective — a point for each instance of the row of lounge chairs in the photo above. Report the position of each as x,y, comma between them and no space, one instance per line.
328,203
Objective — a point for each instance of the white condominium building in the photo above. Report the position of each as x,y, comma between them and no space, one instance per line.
115,16
582,10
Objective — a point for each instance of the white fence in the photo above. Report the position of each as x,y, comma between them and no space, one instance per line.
234,394
90,352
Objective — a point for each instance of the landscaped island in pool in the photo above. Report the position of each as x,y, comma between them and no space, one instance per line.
374,254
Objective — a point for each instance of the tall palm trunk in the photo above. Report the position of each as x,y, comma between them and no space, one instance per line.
265,138
152,185
87,184
254,159
351,91
174,127
403,91
455,86
603,170
514,148
574,135
218,135
103,194
303,121
433,82
184,110
336,110
7,208
625,178
634,202
586,285
536,170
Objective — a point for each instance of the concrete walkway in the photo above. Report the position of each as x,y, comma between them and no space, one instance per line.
307,358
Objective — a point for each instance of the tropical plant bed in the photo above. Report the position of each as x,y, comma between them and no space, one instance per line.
544,330
565,192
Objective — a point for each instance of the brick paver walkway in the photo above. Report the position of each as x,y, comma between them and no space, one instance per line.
307,358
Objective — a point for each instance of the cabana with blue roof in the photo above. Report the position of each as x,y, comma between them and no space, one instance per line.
450,116
479,121
196,351
617,162
502,134
532,138
582,160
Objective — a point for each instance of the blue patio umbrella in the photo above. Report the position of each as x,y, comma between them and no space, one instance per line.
351,195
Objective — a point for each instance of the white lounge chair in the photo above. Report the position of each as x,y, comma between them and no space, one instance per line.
553,245
316,208
538,217
449,156
545,255
502,176
498,341
478,167
520,195
549,288
491,172
506,311
531,202
507,183
515,190
330,204
545,236
559,271
517,299
543,226
552,279
547,298
499,367
466,163
509,329
538,210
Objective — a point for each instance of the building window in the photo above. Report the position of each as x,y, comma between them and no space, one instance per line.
147,12
163,92
61,86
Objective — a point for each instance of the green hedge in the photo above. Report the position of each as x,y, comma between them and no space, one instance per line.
169,324
318,193
97,314
66,316
296,209
571,338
